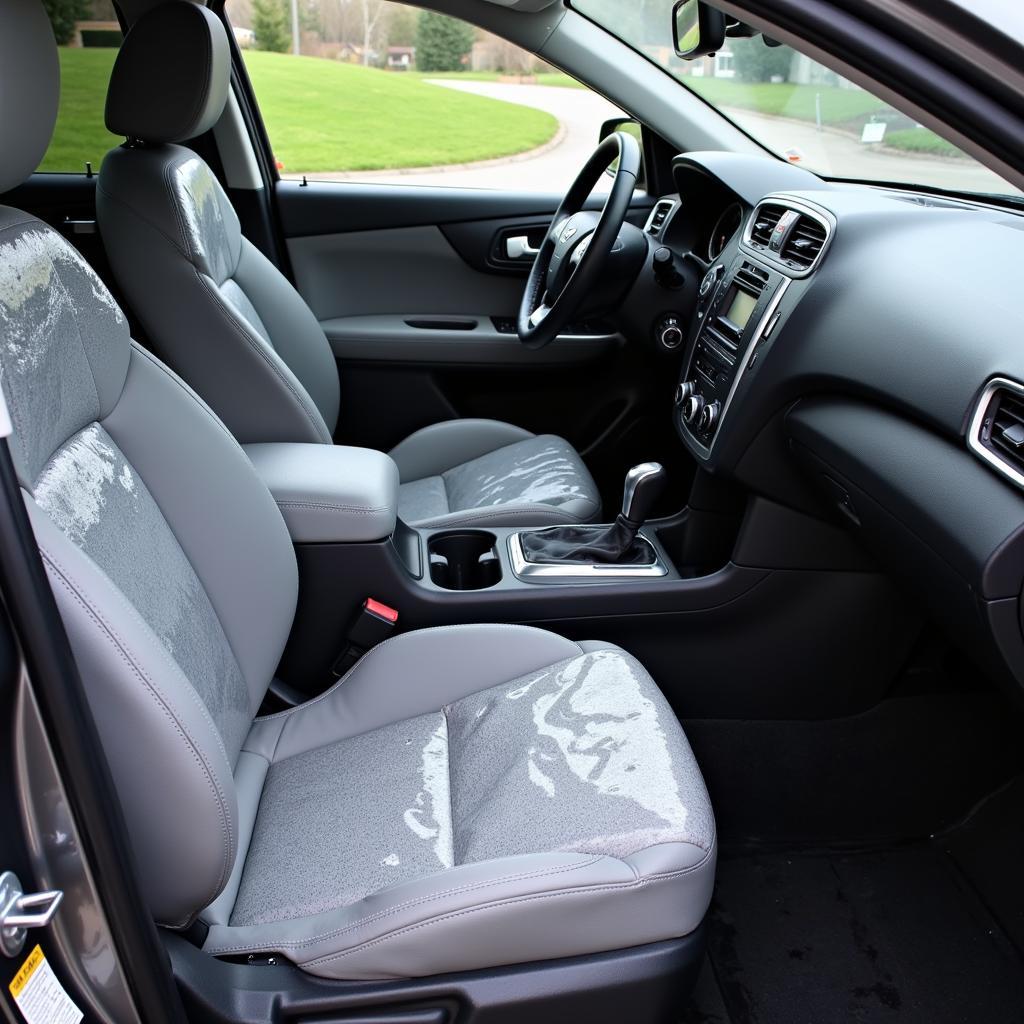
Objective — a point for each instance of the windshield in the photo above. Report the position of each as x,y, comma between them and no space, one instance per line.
798,108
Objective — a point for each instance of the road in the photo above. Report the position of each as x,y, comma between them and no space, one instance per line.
581,114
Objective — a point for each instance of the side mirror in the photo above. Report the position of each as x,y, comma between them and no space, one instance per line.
630,127
697,29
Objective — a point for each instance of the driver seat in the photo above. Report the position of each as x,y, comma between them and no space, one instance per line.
223,316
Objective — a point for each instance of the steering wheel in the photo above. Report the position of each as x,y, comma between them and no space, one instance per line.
577,244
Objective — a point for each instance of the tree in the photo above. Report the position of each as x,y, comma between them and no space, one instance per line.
441,42
756,62
270,23
63,15
372,11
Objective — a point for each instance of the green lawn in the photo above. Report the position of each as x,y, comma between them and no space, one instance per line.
921,140
322,115
80,135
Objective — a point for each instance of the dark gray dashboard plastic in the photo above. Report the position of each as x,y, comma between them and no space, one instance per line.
391,338
941,494
750,177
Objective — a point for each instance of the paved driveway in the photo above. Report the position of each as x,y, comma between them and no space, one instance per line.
580,112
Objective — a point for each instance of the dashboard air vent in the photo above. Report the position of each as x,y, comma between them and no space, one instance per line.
804,244
658,216
997,429
765,219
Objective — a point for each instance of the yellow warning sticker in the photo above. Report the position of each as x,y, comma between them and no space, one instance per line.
40,996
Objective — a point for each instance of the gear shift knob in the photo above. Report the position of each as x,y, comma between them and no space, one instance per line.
644,484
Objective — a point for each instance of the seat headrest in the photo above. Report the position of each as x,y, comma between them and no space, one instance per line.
170,80
29,88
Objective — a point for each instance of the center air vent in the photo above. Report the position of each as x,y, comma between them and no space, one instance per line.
804,244
789,234
765,219
659,215
997,428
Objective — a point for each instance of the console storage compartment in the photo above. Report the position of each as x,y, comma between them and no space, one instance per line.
464,560
328,493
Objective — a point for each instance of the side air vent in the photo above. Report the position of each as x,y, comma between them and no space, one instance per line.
659,215
765,218
997,428
804,244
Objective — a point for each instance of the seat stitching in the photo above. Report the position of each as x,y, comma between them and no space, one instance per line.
418,901
502,903
158,697
374,650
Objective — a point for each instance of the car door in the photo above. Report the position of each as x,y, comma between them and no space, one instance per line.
416,272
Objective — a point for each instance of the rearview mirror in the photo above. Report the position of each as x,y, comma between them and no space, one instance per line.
630,127
697,29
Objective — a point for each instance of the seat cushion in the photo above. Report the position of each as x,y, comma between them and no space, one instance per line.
469,797
483,472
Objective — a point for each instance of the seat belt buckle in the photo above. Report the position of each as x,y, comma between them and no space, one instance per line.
373,624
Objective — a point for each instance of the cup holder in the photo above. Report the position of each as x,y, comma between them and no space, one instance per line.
466,560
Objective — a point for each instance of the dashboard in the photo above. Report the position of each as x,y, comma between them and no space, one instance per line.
858,352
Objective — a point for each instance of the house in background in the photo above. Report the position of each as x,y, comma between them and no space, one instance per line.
401,58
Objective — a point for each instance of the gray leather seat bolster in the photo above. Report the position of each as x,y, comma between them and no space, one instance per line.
504,911
442,446
206,338
134,690
330,494
250,775
254,598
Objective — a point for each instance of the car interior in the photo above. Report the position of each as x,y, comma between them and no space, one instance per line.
715,480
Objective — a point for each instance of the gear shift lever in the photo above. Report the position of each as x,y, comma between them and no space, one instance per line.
605,545
644,484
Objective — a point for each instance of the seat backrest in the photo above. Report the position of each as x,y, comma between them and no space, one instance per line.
171,565
212,305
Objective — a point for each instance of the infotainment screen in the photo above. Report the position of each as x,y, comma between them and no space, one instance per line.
740,308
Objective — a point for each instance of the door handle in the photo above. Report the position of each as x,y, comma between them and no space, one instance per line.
519,248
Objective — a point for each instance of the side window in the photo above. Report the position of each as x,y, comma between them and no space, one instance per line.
88,35
377,91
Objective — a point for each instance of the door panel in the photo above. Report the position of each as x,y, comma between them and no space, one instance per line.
406,270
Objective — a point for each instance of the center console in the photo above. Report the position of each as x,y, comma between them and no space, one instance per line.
738,311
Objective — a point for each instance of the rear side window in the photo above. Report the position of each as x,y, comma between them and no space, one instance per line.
88,36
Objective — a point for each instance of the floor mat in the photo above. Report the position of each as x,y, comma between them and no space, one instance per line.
900,935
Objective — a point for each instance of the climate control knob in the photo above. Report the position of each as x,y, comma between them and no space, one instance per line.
709,416
692,409
685,391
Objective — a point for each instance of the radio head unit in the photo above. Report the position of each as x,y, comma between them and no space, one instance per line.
729,330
